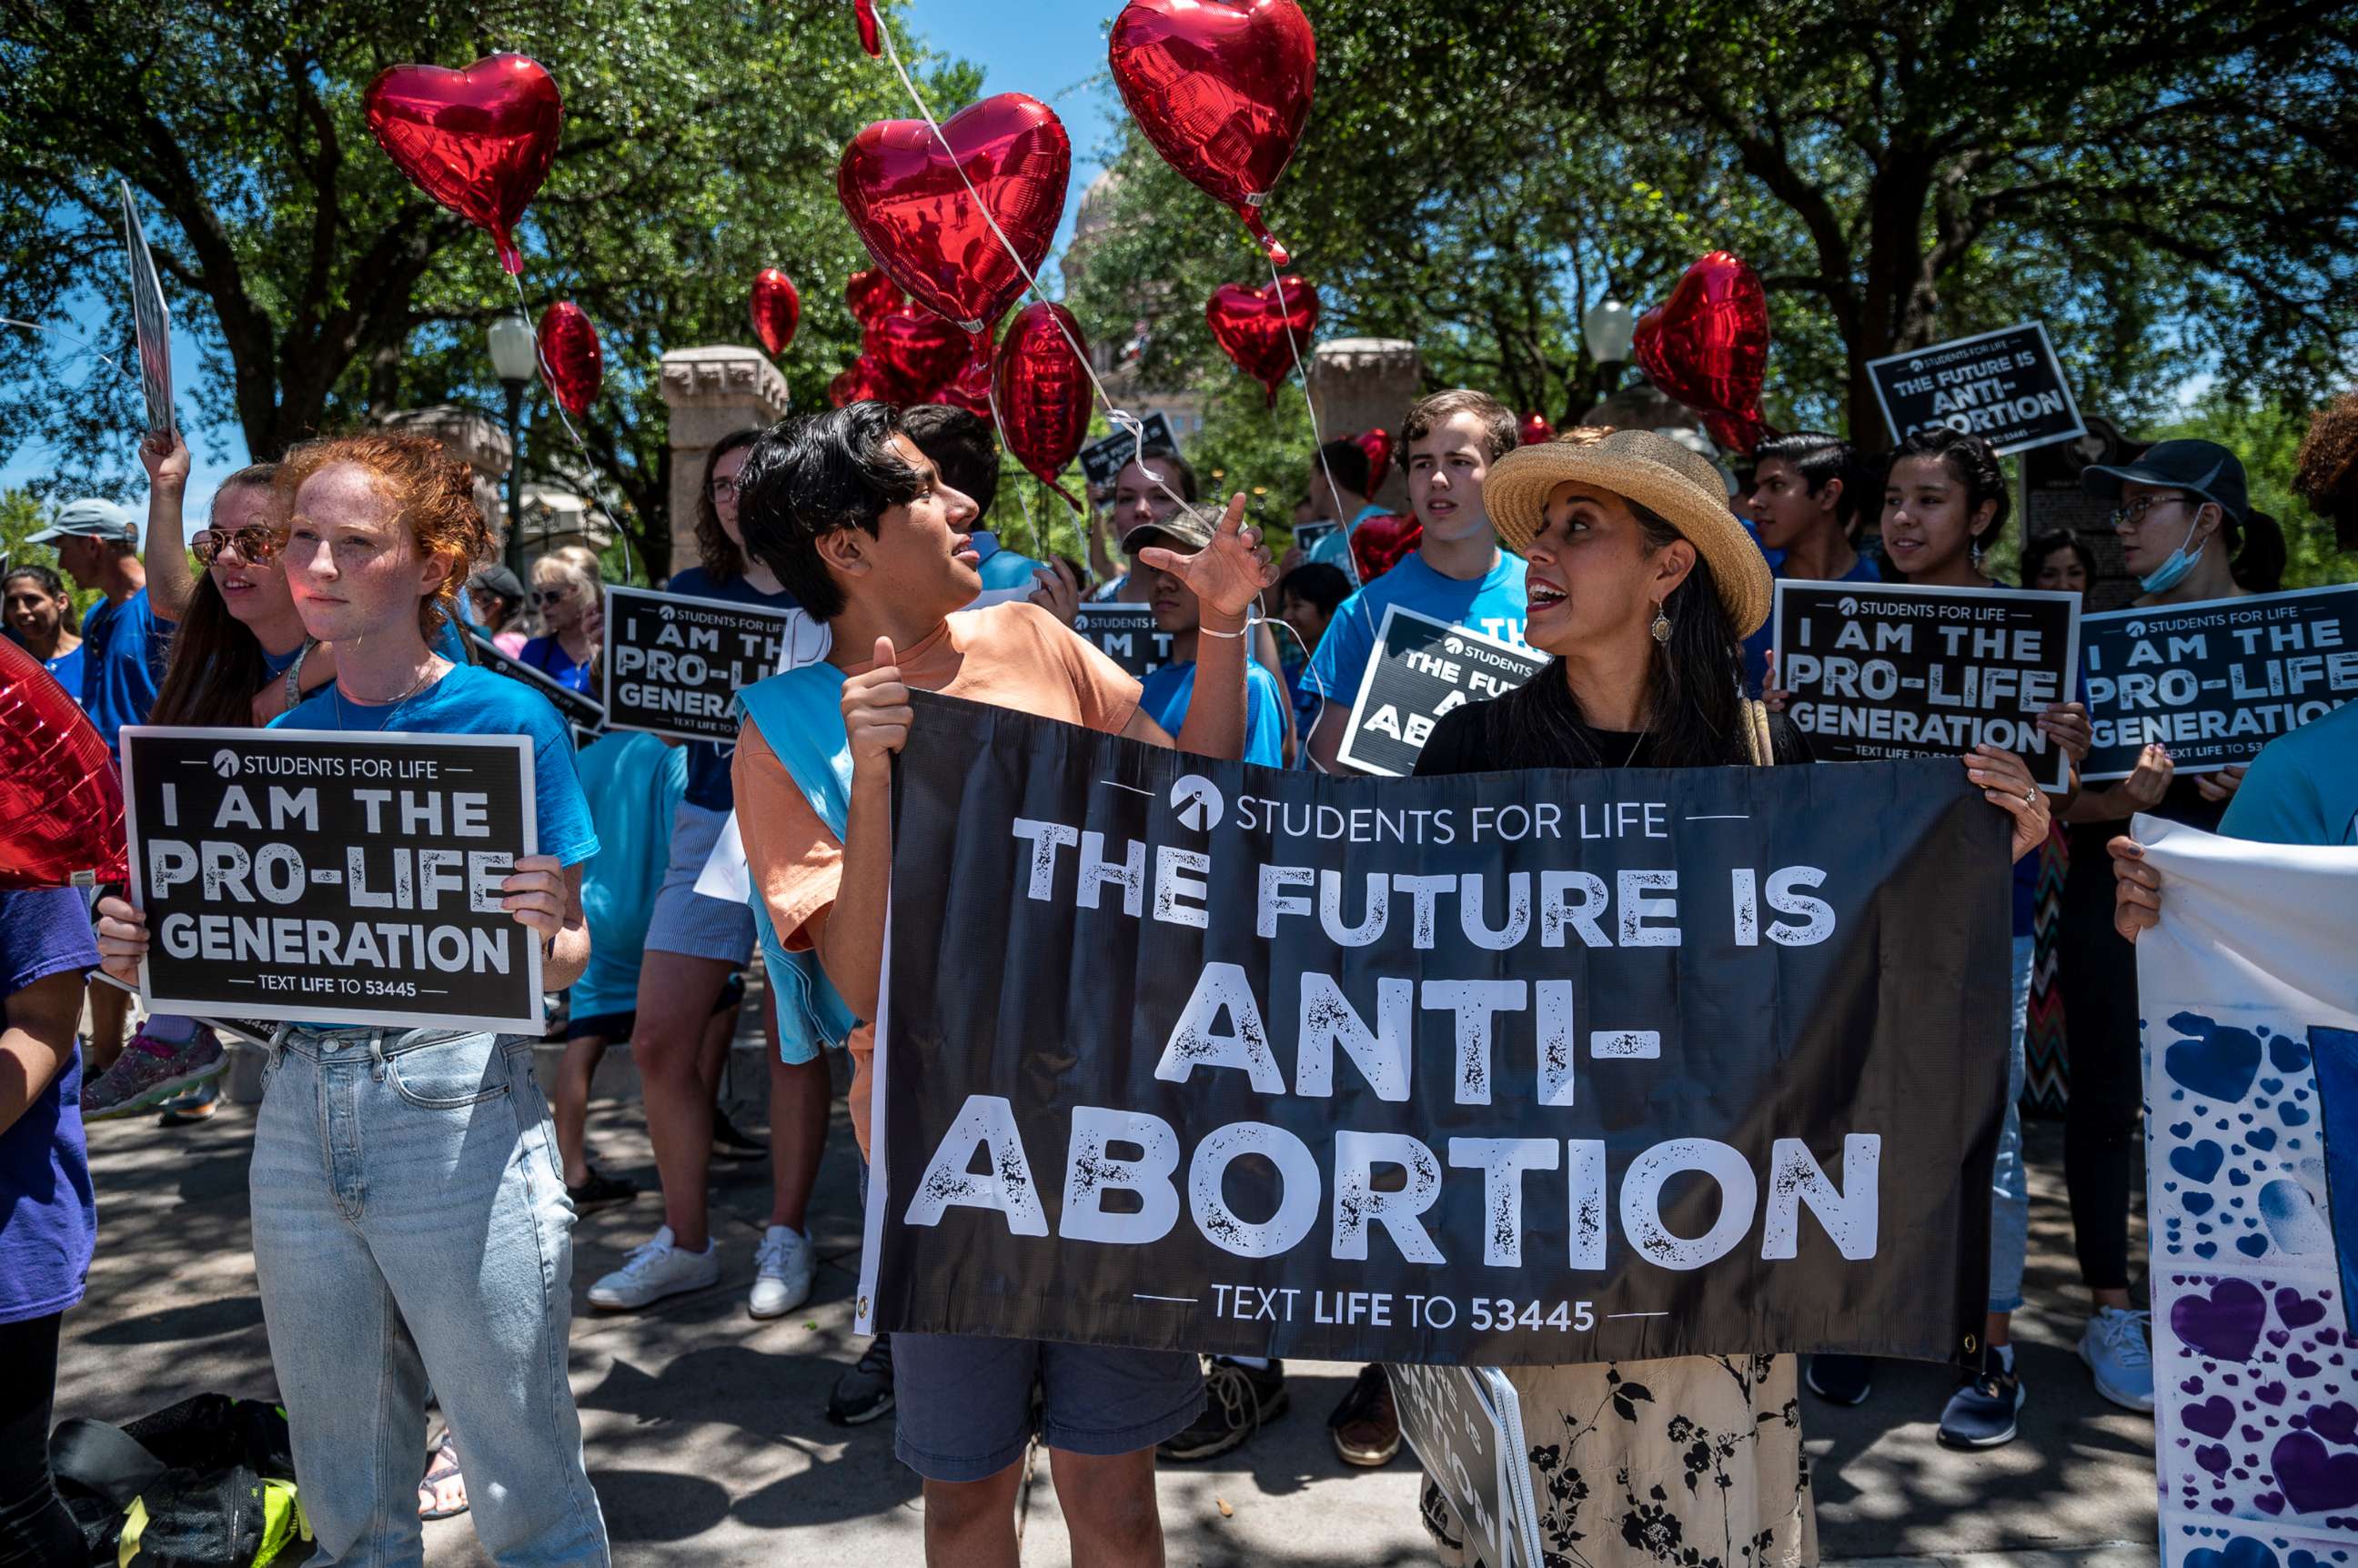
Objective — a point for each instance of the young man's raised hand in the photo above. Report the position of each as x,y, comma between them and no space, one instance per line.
1226,575
876,710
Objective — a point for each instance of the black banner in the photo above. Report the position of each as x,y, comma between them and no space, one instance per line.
1421,669
2004,385
674,662
1565,1067
1124,633
581,711
1102,459
332,877
2216,680
1887,670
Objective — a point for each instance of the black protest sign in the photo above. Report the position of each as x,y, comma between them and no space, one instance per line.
2216,680
1421,669
332,877
151,320
1104,457
1125,634
1463,1424
1889,670
2004,387
581,711
674,664
1494,1069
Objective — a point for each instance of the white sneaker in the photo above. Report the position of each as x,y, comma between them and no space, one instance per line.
782,1277
655,1270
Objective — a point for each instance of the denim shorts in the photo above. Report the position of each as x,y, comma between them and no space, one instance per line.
686,921
963,1403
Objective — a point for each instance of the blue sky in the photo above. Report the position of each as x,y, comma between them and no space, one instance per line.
1053,50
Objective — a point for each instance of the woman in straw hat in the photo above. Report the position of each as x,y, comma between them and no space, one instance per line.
1642,585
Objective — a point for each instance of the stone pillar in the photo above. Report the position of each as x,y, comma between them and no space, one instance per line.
472,439
1361,383
711,392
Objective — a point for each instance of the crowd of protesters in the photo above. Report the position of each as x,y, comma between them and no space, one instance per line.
335,589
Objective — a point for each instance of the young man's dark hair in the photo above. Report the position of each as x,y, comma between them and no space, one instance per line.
1817,458
1315,583
962,448
1499,431
1347,461
811,474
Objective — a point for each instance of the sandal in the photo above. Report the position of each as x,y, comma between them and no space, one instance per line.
443,1482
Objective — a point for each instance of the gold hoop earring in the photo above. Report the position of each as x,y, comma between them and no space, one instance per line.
1662,626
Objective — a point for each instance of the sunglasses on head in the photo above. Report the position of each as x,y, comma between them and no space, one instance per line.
254,544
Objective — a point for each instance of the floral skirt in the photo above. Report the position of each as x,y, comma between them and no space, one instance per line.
1695,1461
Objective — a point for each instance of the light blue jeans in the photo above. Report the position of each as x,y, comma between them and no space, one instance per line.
2009,1183
411,1230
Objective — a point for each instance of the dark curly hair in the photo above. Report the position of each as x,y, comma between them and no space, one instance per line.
1972,462
435,493
2326,475
721,559
811,475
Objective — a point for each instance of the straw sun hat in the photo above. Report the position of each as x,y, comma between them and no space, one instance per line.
1657,474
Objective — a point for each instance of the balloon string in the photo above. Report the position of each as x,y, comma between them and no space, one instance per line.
1277,285
590,464
1115,416
56,333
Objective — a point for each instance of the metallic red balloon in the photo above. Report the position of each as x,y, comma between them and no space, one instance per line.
871,294
904,194
1378,444
777,310
479,141
1379,544
571,358
61,801
865,11
1534,430
1221,88
1707,346
865,381
1250,326
1043,392
919,351
970,388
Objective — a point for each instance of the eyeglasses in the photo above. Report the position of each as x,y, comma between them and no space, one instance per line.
725,486
2129,518
254,545
550,595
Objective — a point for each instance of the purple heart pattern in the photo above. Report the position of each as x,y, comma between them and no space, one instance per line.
2256,1416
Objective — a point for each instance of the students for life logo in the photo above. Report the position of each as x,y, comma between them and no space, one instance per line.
225,763
1198,802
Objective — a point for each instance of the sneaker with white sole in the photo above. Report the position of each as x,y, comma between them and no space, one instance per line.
658,1269
2115,1349
150,1071
782,1272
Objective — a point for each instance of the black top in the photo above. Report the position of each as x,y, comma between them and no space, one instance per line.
1461,744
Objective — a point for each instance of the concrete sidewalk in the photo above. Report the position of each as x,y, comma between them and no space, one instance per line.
708,1443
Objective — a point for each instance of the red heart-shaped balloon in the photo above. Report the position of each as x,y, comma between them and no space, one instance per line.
865,11
571,358
1378,444
970,388
1044,392
777,310
1534,430
1252,327
479,141
61,801
918,350
1379,544
870,293
865,381
906,198
1707,346
1221,88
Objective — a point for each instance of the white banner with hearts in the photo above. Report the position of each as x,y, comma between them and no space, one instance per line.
2248,991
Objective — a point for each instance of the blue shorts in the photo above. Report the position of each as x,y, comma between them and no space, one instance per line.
686,921
963,1403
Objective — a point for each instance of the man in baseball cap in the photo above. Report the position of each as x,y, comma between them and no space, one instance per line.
1165,694
92,517
123,658
2172,503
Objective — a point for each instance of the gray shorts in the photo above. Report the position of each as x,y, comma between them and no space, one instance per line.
963,1404
686,921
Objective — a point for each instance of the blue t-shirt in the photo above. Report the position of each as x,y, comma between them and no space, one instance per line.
49,1214
1335,549
1165,694
2302,787
1756,647
123,663
68,668
632,783
547,656
708,783
471,700
1003,568
1492,605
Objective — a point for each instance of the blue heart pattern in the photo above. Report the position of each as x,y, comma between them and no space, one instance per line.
2240,1172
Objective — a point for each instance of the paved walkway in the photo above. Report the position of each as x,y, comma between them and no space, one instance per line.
709,1445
